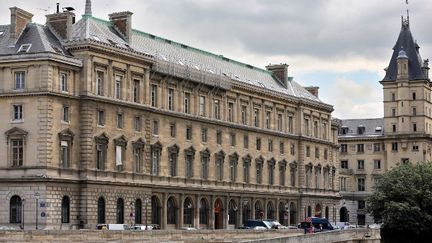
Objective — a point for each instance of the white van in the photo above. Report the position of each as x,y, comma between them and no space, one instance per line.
112,227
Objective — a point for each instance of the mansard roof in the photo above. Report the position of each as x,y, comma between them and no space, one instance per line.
372,127
406,43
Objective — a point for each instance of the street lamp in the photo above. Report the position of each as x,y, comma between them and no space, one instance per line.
287,213
146,201
37,195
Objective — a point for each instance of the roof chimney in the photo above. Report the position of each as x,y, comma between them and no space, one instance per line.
280,71
61,23
313,90
122,21
88,10
19,20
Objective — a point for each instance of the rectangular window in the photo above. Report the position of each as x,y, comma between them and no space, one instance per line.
65,115
270,145
415,147
137,123
324,131
154,98
361,184
394,127
231,112
202,106
344,164
279,122
292,149
171,99
256,117
282,147
325,154
377,147
290,124
393,97
219,137
216,109
99,83
306,127
361,204
414,127
63,82
414,96
268,119
119,120
394,146
19,80
315,129
377,164
307,151
136,91
64,154
186,103
343,183
360,148
100,156
414,111
244,114
17,147
245,141
317,153
118,87
258,143
204,135
17,113
189,166
101,117
393,112
360,164
173,130
189,133
155,127
233,139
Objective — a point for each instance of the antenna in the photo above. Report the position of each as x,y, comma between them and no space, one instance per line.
406,1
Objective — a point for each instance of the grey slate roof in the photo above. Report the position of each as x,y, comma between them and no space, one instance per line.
406,43
370,126
90,27
39,36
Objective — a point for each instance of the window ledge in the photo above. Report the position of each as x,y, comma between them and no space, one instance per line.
17,121
65,122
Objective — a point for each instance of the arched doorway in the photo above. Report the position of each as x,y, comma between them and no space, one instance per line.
270,211
218,214
120,211
101,211
155,211
171,211
15,209
292,214
232,213
343,215
318,211
138,211
283,214
188,212
246,212
309,211
327,212
203,214
259,213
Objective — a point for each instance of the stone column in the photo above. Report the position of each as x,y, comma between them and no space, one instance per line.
181,213
240,213
211,213
253,208
265,209
226,213
277,211
196,212
164,211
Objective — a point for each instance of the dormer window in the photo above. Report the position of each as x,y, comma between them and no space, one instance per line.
24,48
360,129
378,129
344,130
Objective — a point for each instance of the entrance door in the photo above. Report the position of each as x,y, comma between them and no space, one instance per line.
218,214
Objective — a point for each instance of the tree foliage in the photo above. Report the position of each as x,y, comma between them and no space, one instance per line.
402,200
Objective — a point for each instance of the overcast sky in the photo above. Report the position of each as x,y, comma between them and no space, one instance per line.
342,46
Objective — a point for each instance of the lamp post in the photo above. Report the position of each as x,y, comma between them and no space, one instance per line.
146,201
334,213
37,195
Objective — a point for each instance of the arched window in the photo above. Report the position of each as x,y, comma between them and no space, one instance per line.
203,211
270,211
120,211
65,210
15,210
292,212
101,211
138,211
232,212
188,212
309,211
327,212
171,211
246,211
343,215
259,214
156,210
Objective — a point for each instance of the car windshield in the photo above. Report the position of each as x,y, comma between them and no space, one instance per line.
255,223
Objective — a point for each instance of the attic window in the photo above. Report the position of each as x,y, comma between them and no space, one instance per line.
378,129
360,129
24,48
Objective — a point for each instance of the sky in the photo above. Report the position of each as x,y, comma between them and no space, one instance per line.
342,46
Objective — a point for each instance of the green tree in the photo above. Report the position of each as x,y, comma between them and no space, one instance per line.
402,200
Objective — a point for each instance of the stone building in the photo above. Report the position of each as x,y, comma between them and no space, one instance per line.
103,123
369,147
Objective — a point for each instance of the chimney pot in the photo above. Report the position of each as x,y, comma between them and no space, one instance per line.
280,71
122,21
61,24
19,20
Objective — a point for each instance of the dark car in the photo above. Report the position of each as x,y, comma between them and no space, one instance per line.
317,223
256,224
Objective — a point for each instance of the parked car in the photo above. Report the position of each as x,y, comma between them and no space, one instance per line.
142,227
344,225
256,225
112,227
275,224
317,224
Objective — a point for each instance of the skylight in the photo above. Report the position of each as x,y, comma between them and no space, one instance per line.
24,48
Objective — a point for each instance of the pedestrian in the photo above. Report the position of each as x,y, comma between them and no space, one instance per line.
321,227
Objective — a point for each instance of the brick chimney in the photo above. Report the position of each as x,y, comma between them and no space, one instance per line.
122,21
280,71
313,90
19,20
61,23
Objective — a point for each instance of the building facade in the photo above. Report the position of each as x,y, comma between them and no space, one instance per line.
103,123
369,147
